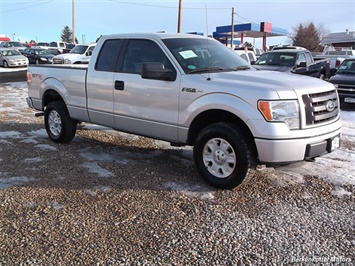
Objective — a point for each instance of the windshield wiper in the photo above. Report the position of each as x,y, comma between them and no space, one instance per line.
206,69
240,68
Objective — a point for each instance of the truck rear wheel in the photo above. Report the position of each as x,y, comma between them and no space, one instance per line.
223,157
59,126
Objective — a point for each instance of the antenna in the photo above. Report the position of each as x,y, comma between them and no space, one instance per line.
208,61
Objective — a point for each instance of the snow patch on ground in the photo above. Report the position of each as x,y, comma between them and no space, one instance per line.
191,191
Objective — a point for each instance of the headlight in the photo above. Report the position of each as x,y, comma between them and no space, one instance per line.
67,61
43,59
12,61
281,111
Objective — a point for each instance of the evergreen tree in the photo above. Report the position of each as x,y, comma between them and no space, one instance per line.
67,35
308,36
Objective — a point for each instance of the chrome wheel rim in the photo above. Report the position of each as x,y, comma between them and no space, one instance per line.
54,123
219,157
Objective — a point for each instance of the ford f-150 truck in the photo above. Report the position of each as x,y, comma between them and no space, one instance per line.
297,61
191,90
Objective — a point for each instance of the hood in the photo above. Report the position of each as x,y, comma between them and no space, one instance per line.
270,79
347,79
68,56
265,84
273,68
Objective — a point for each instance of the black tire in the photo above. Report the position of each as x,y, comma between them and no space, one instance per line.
223,157
5,64
37,62
59,126
322,76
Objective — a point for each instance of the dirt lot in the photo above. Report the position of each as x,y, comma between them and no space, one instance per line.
109,198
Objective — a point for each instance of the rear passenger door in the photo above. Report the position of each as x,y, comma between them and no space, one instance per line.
146,107
100,84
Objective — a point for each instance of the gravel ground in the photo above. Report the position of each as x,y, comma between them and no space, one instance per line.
116,199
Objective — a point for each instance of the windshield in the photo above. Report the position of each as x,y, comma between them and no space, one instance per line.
79,49
42,52
347,67
204,55
10,52
276,59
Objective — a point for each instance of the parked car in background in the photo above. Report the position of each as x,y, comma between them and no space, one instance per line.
38,56
13,45
249,56
282,47
44,45
68,47
297,61
256,52
12,58
56,47
80,54
344,81
243,55
336,56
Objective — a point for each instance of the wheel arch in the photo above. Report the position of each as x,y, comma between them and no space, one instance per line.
209,117
51,95
52,90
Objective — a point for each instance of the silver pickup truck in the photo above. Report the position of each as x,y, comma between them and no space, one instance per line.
191,90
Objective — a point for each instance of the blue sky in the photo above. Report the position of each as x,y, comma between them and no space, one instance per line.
43,20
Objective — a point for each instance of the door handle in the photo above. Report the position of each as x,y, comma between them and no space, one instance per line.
119,85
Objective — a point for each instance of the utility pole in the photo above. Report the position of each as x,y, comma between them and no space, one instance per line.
232,31
73,21
179,16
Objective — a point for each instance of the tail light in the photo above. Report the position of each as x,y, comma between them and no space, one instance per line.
337,63
29,79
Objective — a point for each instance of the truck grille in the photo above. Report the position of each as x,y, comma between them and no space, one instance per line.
57,61
346,89
321,107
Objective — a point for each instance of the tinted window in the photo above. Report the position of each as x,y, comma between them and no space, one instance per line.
107,58
143,51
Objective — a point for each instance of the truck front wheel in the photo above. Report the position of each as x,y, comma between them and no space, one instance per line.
59,126
223,157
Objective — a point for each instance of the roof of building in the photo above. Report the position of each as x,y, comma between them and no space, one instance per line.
4,38
339,37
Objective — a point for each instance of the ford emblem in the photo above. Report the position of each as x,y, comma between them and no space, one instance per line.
330,106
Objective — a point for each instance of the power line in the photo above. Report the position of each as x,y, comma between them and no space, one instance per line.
26,7
169,7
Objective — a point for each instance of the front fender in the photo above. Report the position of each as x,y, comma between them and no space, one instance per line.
219,101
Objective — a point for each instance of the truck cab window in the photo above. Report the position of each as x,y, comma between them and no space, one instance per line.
143,51
107,58
301,58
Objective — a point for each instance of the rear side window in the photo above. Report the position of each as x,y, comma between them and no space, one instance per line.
107,58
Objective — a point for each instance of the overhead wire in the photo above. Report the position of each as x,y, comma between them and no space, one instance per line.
25,7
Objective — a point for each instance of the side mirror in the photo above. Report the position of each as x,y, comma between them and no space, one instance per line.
302,64
154,70
89,53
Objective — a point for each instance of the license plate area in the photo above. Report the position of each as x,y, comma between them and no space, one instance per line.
349,100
